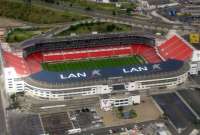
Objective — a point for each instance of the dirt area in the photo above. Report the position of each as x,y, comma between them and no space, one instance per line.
145,111
6,22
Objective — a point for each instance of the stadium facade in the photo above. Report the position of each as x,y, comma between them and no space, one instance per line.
94,82
163,68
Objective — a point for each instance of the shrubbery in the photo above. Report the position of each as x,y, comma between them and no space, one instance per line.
100,27
20,34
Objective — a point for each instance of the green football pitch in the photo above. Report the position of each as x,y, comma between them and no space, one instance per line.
88,64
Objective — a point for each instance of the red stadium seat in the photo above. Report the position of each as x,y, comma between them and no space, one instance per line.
175,48
86,53
147,52
53,57
137,49
16,62
34,60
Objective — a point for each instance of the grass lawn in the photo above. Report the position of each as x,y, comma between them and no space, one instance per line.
37,14
18,34
92,63
100,27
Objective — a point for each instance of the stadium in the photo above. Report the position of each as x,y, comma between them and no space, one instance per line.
61,68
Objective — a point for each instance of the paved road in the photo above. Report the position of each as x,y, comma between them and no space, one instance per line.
154,21
105,15
2,117
154,13
151,23
3,104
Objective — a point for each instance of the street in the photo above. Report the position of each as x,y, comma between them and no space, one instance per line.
2,117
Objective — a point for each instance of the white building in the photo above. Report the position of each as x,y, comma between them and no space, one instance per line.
107,104
13,82
195,63
100,1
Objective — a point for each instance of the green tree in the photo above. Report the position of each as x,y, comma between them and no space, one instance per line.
113,12
88,8
13,97
128,11
110,28
120,108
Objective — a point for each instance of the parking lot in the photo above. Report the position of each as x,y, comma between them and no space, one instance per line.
24,124
85,118
174,109
56,123
60,123
192,97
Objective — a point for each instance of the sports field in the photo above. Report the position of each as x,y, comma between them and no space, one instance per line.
92,63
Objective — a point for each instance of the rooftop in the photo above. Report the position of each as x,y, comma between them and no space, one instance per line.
52,80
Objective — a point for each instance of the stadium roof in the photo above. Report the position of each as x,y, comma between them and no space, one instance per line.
34,41
46,79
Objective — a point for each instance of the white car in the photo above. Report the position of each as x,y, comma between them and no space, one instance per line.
110,131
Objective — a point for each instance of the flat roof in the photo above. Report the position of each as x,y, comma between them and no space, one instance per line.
34,41
46,79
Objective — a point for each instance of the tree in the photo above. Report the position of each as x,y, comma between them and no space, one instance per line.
49,1
114,13
88,8
13,97
14,103
110,28
128,11
120,108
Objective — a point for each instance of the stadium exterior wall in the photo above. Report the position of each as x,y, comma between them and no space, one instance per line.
104,89
15,84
